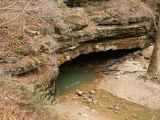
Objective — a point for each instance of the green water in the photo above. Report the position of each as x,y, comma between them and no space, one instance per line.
80,74
70,80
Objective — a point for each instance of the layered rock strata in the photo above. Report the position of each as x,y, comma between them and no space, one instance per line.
51,38
55,33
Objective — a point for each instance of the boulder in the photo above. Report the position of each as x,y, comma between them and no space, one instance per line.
147,52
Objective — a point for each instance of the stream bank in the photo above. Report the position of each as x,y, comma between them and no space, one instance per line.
96,100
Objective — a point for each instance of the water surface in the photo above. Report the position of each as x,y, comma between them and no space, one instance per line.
83,74
68,81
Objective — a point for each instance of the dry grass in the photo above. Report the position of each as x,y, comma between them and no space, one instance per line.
121,9
23,31
10,109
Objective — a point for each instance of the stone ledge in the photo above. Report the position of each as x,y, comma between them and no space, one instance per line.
105,45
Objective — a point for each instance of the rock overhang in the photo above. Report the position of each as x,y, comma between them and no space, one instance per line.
56,33
69,32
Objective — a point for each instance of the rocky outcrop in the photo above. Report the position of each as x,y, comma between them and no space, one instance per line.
99,46
55,33
51,38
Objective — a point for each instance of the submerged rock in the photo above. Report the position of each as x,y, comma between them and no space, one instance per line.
85,97
92,92
117,108
134,115
89,100
79,93
111,107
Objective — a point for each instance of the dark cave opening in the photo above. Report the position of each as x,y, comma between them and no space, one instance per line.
85,68
97,57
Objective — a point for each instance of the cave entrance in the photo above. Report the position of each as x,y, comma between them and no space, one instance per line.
85,69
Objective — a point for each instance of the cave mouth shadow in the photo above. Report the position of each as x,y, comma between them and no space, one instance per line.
87,63
96,57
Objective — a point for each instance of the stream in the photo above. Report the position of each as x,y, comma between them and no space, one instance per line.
69,81
83,74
